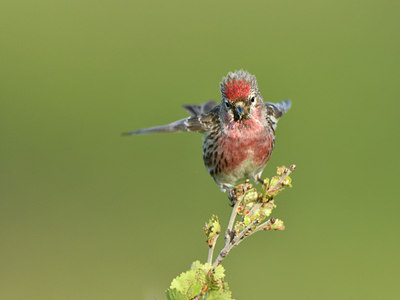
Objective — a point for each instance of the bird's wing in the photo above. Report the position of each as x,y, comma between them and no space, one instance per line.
276,110
204,108
197,123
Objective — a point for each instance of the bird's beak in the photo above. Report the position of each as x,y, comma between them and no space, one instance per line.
239,112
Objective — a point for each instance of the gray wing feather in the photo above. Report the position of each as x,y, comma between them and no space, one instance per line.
196,110
172,127
199,123
276,110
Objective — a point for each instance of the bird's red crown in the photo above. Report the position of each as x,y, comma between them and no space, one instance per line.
237,89
238,85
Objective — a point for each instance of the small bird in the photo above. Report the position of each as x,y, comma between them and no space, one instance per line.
239,133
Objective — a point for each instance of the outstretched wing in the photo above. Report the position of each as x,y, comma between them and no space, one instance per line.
196,123
204,108
276,110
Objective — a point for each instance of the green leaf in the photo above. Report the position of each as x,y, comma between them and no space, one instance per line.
194,289
184,281
219,272
219,295
174,294
196,265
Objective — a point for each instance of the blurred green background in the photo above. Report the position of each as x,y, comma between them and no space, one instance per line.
88,214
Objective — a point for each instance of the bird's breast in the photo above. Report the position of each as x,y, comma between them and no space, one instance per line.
238,151
247,147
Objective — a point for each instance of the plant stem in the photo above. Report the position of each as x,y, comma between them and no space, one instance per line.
228,235
211,251
234,242
228,231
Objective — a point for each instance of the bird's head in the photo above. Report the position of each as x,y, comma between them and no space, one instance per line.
241,98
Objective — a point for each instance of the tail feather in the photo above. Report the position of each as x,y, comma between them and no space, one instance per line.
196,110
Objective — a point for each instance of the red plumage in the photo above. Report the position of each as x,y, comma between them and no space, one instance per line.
237,89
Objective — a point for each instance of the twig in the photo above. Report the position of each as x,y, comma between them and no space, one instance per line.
228,232
264,226
232,218
244,233
211,250
234,242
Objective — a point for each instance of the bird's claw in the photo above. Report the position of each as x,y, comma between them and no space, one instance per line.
258,178
232,196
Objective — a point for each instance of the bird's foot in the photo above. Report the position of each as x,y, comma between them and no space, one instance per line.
258,179
232,196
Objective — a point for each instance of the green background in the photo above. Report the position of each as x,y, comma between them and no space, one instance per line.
88,214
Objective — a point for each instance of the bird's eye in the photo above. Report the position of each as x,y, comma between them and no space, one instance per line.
227,104
252,99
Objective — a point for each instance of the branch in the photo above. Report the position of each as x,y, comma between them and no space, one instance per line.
254,208
228,232
234,242
211,251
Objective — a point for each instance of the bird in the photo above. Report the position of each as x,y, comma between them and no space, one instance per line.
238,133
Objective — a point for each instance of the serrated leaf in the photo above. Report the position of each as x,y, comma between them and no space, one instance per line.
194,289
219,295
184,281
219,272
174,294
196,265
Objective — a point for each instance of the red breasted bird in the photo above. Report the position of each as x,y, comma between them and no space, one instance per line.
239,133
